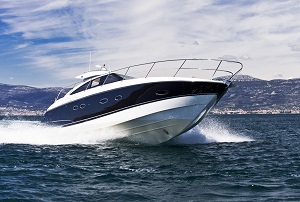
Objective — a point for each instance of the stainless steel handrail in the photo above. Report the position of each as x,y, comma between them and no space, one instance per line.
217,69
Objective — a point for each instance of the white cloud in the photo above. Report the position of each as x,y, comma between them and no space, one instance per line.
54,5
262,34
20,46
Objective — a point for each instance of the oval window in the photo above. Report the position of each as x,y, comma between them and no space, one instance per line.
75,107
118,98
162,92
103,101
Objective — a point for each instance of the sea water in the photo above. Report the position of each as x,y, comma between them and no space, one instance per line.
224,158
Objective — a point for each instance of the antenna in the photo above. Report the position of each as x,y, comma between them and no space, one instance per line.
90,60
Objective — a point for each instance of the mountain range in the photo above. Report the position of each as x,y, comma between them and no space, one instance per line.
252,94
248,95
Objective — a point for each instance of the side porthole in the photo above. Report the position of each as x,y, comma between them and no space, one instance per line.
118,98
162,92
75,107
103,101
82,106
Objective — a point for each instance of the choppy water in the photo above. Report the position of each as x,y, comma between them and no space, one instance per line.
226,158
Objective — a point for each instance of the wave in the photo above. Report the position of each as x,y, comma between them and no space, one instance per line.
30,132
210,131
33,132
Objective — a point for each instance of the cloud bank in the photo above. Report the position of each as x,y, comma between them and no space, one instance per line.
53,38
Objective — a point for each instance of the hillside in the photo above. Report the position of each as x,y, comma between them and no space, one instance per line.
248,95
251,94
16,99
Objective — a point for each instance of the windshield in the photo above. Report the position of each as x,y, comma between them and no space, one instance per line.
111,78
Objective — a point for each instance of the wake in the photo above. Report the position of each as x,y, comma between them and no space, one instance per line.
29,132
209,131
35,133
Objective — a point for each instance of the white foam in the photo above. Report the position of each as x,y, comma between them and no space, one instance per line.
210,131
28,132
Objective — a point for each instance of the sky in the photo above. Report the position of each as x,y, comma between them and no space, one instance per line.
48,43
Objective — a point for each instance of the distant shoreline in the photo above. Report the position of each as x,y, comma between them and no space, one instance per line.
261,111
11,111
15,112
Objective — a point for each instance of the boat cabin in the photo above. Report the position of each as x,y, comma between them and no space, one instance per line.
95,81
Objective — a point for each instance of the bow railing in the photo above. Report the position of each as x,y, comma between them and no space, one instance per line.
214,68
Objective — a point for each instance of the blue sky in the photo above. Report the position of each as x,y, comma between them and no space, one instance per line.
47,43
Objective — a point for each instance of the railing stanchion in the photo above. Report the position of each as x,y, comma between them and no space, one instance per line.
179,68
126,72
150,69
217,69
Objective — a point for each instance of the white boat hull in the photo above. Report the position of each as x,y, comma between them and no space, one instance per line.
155,122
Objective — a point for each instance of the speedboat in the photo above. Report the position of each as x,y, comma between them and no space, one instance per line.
151,102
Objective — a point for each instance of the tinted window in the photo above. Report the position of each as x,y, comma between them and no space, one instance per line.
99,81
95,82
105,80
81,88
112,78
